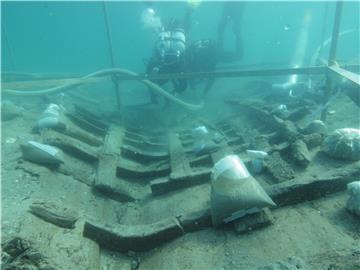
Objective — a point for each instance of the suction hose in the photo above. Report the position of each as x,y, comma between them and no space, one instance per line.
101,73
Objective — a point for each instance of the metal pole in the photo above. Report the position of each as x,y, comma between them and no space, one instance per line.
332,55
335,33
11,55
111,51
323,30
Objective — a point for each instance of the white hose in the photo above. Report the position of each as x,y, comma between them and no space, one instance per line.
100,73
316,55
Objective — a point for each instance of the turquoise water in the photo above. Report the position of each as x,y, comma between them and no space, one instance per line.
70,37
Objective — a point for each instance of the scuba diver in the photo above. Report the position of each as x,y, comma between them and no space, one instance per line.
169,52
169,56
172,55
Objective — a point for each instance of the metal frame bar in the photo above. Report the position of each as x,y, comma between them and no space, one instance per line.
335,33
340,71
111,51
332,55
344,74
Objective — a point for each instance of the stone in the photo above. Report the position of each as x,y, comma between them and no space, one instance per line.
313,140
353,203
9,110
300,153
299,113
288,131
316,126
278,168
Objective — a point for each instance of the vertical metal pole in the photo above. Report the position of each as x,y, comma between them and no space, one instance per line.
332,55
111,51
5,37
323,31
335,33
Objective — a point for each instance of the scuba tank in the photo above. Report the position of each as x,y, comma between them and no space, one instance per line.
170,46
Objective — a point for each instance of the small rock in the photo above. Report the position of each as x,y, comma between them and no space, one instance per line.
278,168
313,140
300,153
353,203
135,264
316,126
9,110
288,131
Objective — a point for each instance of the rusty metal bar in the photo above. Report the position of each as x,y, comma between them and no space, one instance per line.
111,51
332,55
349,82
335,33
345,74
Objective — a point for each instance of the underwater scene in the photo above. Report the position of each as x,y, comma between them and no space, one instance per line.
198,135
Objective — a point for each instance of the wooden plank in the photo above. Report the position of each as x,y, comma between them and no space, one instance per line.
113,141
165,185
156,169
145,145
292,192
76,132
180,167
72,146
87,125
146,138
108,184
50,212
142,156
133,237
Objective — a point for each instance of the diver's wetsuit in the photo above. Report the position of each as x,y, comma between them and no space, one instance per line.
202,57
169,57
232,11
155,66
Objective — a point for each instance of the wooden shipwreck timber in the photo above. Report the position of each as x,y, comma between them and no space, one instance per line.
136,167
